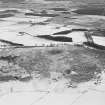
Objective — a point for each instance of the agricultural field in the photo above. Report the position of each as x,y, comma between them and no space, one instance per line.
52,52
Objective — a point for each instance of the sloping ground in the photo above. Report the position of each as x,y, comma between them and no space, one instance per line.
76,64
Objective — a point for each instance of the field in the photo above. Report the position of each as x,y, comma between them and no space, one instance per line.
52,47
76,64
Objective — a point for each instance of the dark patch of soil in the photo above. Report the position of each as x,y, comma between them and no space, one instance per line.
58,9
99,32
90,11
57,38
55,51
6,15
63,32
42,15
9,11
10,43
65,12
8,58
7,78
69,31
93,45
25,79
